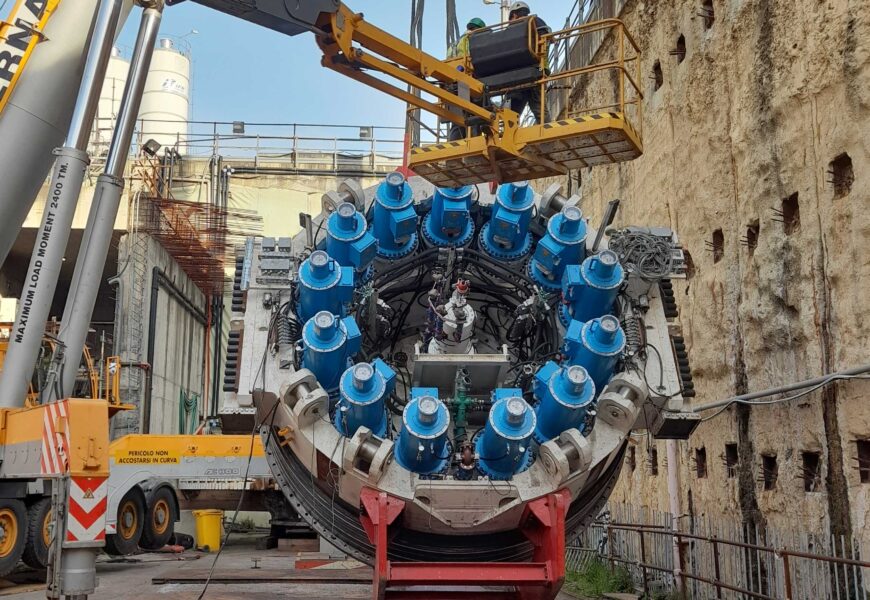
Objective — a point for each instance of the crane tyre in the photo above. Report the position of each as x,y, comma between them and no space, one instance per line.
39,519
159,519
13,534
131,520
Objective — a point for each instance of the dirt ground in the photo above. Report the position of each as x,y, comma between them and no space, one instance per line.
133,577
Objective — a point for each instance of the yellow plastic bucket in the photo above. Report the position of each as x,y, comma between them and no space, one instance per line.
209,526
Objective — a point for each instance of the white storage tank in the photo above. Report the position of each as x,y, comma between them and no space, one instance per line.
110,102
165,107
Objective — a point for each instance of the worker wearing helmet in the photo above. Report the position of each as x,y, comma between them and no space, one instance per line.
520,10
518,100
461,47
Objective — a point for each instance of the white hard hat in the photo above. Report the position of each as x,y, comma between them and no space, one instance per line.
516,6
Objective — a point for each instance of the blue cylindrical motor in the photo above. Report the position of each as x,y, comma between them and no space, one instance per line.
323,285
590,289
395,221
328,345
363,390
422,446
506,236
564,395
348,239
449,222
595,345
503,449
564,244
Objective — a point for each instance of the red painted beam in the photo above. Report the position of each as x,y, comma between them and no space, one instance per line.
543,523
464,573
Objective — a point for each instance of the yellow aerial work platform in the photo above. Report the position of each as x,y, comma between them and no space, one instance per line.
471,92
544,151
603,135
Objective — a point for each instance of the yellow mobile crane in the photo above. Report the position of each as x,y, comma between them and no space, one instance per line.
143,495
62,445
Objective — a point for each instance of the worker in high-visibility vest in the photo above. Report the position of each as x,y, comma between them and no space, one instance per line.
461,47
531,96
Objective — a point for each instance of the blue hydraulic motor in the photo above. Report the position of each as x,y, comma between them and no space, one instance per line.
323,285
595,345
564,395
422,446
564,244
503,449
328,345
589,290
449,222
395,221
506,236
349,241
363,390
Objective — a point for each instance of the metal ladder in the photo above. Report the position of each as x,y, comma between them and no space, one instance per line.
132,349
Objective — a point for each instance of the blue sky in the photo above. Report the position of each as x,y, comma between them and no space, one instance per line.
244,72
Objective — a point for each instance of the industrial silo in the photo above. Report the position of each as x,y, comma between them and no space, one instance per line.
110,102
166,101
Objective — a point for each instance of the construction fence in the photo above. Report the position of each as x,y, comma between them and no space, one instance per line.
721,558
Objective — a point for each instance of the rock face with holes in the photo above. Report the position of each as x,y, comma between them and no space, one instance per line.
760,131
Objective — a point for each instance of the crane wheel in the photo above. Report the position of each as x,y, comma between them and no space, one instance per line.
39,518
131,521
159,519
13,534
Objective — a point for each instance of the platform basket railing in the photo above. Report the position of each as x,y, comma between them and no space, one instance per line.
617,55
569,52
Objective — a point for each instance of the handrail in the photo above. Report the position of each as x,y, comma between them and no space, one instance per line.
299,143
621,62
592,27
565,53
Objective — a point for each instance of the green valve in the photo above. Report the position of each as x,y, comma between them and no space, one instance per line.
460,404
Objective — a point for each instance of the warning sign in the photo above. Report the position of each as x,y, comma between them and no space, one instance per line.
147,457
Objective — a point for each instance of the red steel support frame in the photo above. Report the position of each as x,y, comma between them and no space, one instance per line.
543,523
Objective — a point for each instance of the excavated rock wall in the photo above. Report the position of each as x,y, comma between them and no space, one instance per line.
740,132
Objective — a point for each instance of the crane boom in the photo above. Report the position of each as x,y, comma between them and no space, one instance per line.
337,28
35,118
53,235
42,57
289,18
